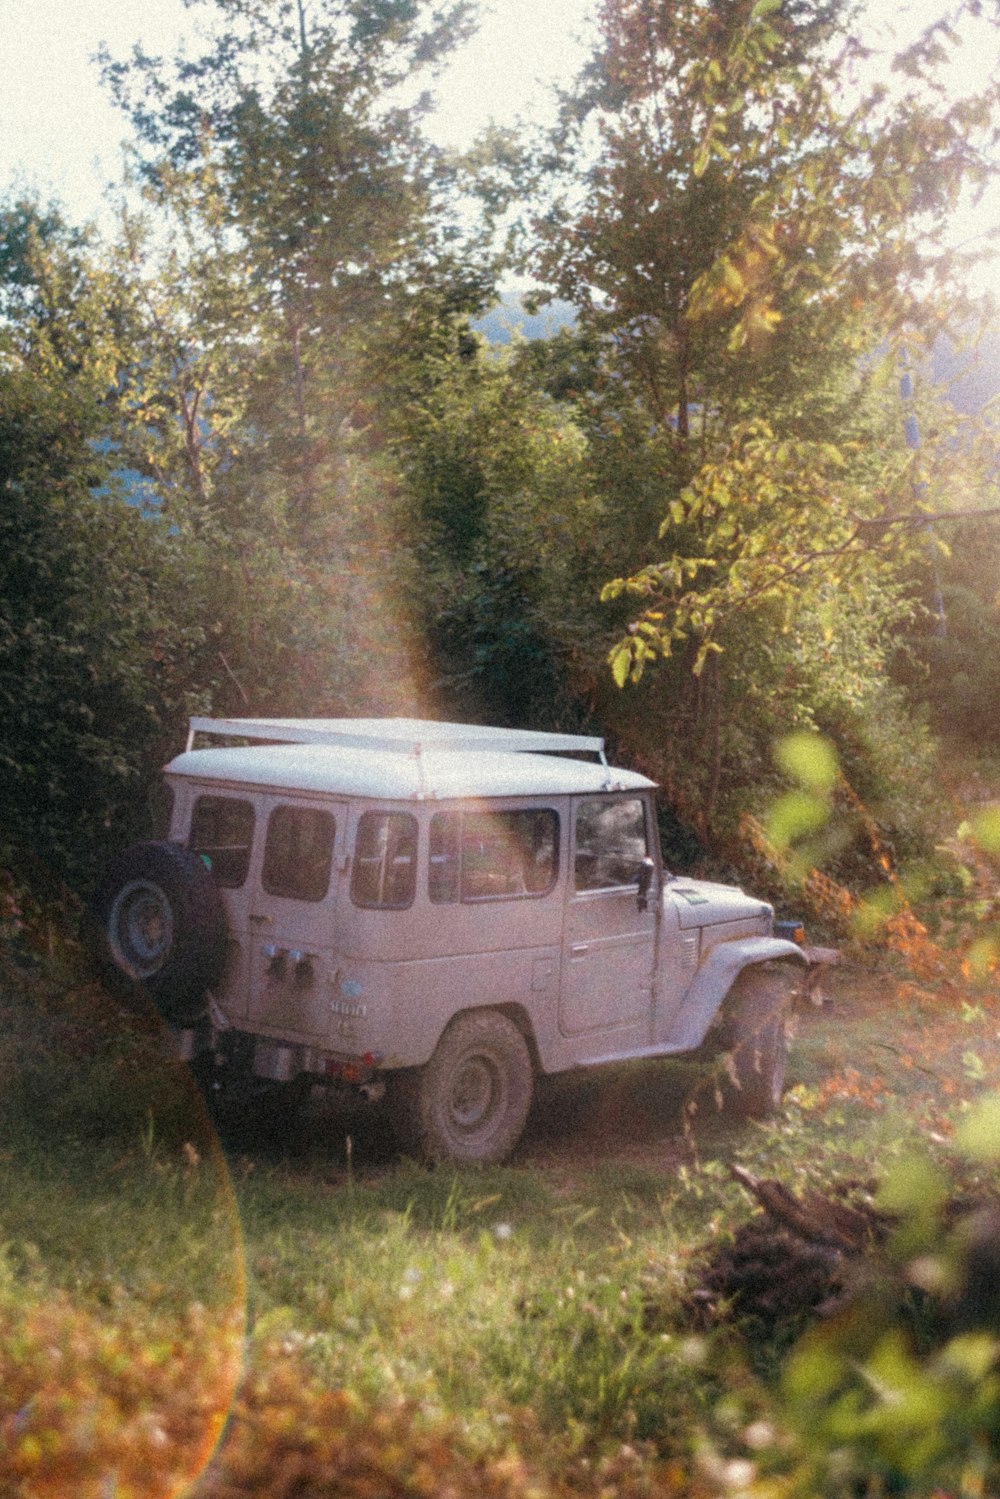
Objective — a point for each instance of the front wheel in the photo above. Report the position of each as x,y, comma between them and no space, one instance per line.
759,1001
469,1103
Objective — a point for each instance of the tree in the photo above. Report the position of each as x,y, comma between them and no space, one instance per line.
738,205
306,197
121,615
754,237
296,260
504,580
93,609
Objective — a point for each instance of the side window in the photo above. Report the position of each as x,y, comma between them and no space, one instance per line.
298,852
384,872
222,833
610,842
492,855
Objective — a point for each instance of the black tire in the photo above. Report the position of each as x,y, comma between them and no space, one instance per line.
164,926
759,1004
469,1103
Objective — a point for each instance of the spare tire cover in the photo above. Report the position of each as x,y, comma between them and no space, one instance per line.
164,923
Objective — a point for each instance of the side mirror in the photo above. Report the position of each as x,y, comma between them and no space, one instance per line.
647,869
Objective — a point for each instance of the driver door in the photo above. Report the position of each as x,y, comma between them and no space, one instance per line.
609,944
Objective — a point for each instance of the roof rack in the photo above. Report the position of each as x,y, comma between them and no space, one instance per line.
413,736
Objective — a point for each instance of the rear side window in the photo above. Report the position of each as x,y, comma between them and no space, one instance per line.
384,872
222,833
492,855
610,842
298,853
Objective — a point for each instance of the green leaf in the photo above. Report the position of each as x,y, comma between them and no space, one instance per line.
809,759
973,1066
914,1186
795,816
978,1135
986,830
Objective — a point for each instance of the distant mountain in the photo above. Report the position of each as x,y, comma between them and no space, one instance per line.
509,318
971,378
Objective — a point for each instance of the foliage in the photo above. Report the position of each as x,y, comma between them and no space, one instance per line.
743,563
88,596
311,222
902,1390
124,609
348,503
742,296
508,531
719,220
295,258
137,1403
955,670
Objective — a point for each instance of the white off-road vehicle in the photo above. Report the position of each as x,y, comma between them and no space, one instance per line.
440,912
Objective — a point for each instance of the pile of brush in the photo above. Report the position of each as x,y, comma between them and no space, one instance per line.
807,1257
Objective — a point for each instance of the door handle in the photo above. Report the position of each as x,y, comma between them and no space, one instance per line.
579,950
260,919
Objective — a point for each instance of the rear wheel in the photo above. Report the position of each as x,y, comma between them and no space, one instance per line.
469,1103
759,1001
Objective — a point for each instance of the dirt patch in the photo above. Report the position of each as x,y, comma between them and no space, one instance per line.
632,1114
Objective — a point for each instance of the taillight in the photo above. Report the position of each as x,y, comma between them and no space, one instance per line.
352,1069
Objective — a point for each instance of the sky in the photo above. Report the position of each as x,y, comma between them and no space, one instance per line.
58,131
60,136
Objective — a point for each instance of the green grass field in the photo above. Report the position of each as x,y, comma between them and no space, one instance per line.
537,1313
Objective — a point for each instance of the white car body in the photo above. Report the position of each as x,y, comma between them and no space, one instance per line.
381,878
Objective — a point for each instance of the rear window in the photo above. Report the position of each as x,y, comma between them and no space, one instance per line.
298,853
222,833
492,855
384,872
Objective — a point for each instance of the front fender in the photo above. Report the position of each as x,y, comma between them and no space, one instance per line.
714,979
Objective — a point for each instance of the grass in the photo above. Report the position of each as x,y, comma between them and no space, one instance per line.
543,1304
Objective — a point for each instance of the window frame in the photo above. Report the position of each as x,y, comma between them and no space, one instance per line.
221,798
650,843
297,809
461,895
385,813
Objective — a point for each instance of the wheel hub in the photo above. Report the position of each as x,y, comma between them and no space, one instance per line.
141,927
474,1095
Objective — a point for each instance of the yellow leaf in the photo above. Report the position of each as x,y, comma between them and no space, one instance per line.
620,661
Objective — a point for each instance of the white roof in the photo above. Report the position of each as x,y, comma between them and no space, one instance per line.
387,766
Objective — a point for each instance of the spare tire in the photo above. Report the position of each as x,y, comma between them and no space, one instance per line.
164,925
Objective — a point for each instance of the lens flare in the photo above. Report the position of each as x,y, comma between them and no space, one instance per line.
123,1305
